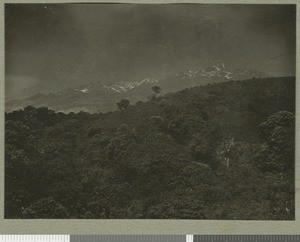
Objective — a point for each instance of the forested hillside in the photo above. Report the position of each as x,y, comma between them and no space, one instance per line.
221,151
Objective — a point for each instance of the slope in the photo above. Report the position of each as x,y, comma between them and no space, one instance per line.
163,159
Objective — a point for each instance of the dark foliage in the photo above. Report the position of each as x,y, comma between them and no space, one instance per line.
123,104
156,89
223,151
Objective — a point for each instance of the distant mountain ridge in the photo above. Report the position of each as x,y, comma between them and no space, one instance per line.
220,71
97,97
118,86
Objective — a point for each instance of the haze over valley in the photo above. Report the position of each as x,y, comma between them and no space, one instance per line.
96,97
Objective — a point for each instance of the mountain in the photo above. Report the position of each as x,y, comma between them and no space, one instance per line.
124,86
97,97
213,74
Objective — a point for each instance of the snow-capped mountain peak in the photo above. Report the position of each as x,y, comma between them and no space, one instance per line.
121,86
217,71
213,71
220,72
84,90
126,85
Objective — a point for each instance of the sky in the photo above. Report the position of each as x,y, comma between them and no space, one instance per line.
52,47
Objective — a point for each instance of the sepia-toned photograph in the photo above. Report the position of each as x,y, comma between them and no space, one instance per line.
150,111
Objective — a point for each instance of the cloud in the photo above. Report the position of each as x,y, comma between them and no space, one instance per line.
66,45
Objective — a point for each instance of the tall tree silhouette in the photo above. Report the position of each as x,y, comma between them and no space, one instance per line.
123,104
156,89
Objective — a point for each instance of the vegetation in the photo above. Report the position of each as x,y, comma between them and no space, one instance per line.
123,104
223,151
156,89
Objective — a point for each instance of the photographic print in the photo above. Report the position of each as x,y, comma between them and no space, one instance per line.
150,111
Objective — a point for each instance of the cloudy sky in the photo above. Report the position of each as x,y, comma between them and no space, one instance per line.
54,47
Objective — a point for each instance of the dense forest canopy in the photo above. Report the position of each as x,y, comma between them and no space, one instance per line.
221,151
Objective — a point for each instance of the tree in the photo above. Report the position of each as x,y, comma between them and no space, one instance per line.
279,119
156,89
277,154
123,104
227,150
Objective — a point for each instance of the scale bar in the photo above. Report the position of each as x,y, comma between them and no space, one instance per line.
35,238
149,238
128,238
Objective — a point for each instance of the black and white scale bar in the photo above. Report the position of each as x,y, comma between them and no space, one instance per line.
185,238
35,238
150,238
